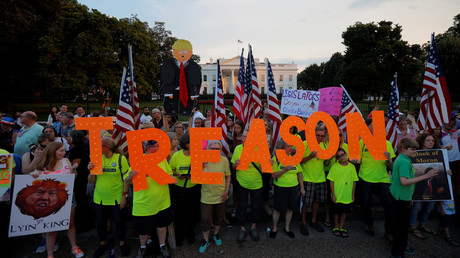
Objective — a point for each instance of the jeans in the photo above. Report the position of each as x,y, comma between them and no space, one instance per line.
256,201
401,209
185,203
383,191
420,210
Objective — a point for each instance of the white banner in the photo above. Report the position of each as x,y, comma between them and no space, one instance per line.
301,103
41,204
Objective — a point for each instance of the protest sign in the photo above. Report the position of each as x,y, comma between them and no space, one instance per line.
330,100
439,187
41,204
301,103
6,167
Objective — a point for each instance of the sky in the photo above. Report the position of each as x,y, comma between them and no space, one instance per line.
304,32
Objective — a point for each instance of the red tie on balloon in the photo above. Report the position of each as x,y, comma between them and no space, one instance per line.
183,93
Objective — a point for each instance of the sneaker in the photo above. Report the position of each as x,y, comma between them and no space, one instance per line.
124,249
217,239
253,234
409,251
317,227
77,252
233,213
141,252
226,224
290,234
267,209
304,230
241,236
164,250
42,247
204,245
100,251
452,242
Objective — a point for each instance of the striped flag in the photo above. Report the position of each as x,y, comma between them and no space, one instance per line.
238,101
273,106
435,105
218,118
393,114
347,106
133,89
254,102
125,119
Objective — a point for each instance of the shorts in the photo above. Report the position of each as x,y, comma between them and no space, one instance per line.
145,225
339,208
285,198
315,192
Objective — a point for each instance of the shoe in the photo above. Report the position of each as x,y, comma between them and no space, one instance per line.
272,234
452,242
241,236
369,230
388,237
217,239
253,234
233,214
427,229
124,249
409,251
100,251
267,209
164,250
226,224
336,231
344,233
42,247
203,246
304,230
77,252
141,252
317,227
290,234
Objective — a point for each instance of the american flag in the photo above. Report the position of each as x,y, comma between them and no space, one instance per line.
273,107
393,114
218,118
347,106
135,99
254,103
238,101
435,105
125,118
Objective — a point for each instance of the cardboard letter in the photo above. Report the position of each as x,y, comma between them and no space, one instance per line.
148,164
292,140
332,129
198,155
94,125
356,127
256,148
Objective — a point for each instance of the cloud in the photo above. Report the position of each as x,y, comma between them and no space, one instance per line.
369,3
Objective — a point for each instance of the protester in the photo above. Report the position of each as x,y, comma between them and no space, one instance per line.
151,207
145,117
213,197
79,112
343,180
53,162
447,210
157,118
68,124
286,180
403,131
7,126
51,130
174,144
179,129
109,197
52,117
28,134
403,182
449,140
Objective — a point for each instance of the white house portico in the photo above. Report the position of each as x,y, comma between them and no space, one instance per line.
285,75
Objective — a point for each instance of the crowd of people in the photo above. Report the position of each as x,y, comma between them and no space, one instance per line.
338,184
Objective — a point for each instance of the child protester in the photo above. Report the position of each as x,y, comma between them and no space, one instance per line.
447,210
342,177
402,188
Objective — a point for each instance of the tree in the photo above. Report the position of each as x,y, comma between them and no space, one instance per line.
374,52
309,78
332,71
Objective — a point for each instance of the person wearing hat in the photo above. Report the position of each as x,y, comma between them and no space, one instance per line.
7,126
28,134
151,207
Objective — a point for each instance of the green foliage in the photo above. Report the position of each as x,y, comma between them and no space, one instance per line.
332,71
309,78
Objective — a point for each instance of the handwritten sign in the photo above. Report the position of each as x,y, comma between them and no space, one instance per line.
6,166
330,100
299,102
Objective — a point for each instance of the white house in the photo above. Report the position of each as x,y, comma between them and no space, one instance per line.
285,75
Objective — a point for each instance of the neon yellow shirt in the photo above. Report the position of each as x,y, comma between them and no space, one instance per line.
212,194
250,179
313,170
288,179
374,171
181,164
109,185
343,178
155,198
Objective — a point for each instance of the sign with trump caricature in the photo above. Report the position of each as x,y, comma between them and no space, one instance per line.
41,204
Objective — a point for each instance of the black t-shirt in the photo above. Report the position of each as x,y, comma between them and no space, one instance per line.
80,152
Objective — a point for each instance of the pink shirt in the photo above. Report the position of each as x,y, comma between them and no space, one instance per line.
65,169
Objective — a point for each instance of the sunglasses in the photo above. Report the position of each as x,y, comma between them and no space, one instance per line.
43,145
